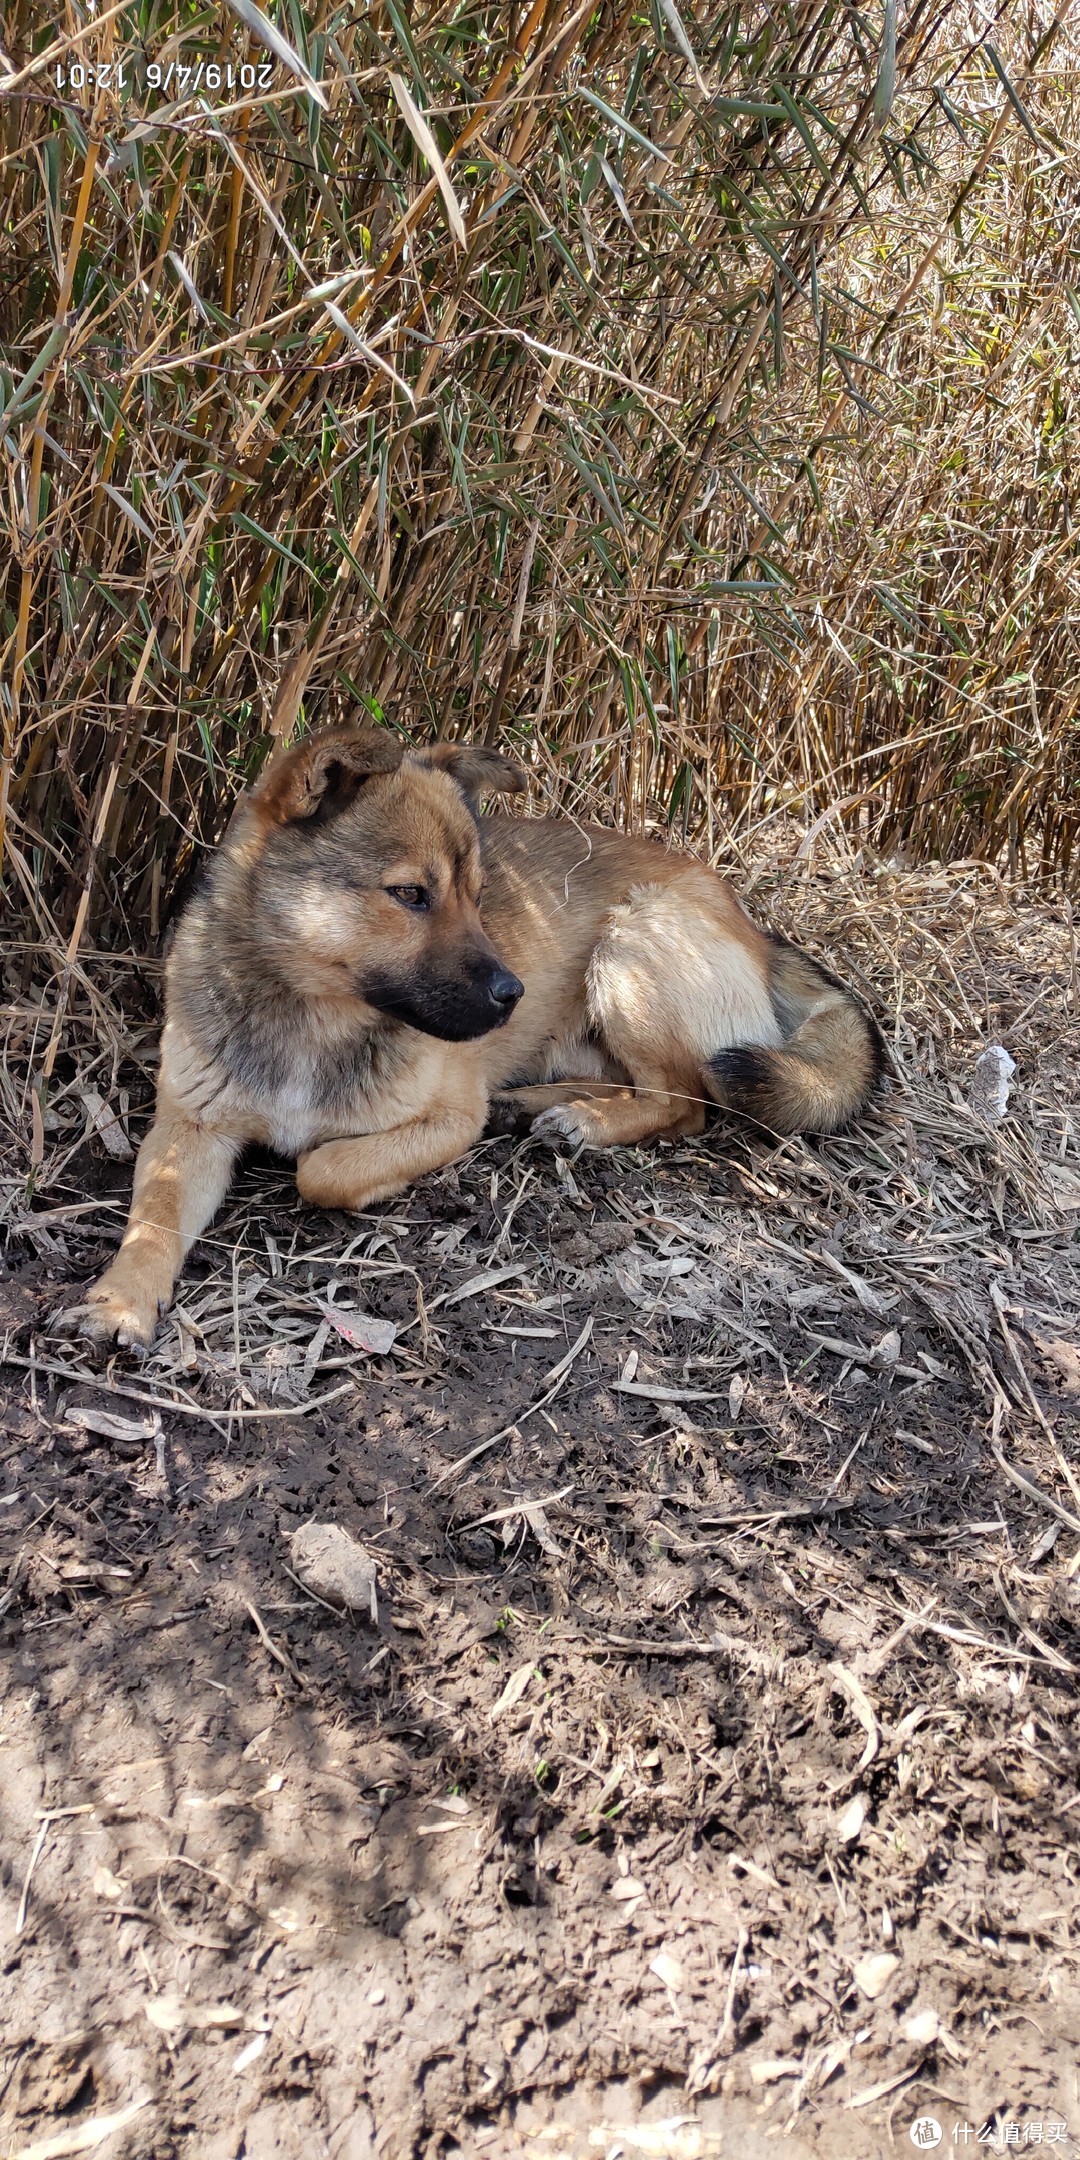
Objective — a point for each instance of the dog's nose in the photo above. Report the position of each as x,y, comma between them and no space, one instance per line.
505,990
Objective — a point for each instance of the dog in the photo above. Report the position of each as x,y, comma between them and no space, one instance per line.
371,967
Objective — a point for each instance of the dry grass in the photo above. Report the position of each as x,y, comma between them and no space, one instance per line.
723,1499
722,459
951,958
724,1506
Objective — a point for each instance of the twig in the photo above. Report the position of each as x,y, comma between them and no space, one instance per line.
282,1656
727,2023
39,1846
184,1406
718,1645
47,1819
1032,1491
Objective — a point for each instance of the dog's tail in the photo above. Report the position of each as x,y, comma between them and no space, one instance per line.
831,1060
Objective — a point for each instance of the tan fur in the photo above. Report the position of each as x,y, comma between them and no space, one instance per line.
344,991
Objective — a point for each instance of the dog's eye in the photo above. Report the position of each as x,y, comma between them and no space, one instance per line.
416,897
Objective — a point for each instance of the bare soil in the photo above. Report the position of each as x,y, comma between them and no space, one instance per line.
726,1535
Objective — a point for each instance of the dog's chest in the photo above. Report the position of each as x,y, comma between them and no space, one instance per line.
266,1082
294,1120
319,1094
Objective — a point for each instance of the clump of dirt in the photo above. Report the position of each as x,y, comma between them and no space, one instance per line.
703,1767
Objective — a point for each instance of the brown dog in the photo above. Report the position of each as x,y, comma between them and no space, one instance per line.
369,963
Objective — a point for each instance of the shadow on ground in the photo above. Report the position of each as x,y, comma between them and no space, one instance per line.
708,1772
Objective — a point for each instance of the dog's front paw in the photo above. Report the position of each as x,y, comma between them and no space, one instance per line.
507,1114
564,1121
110,1315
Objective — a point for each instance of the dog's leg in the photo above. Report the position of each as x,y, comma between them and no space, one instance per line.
375,1166
676,973
590,1116
516,1109
181,1178
598,1113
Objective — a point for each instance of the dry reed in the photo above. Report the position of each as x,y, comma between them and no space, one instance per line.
684,398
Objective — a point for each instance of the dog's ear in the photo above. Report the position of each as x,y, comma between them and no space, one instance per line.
321,776
477,771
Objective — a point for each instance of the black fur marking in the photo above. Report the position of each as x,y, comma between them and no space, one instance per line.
882,1056
747,1075
457,1009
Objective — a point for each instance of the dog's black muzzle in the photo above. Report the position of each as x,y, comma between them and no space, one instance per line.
478,997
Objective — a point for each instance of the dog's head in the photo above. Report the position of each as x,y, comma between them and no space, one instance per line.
367,877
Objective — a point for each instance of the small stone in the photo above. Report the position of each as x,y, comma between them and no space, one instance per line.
873,1974
923,2029
333,1566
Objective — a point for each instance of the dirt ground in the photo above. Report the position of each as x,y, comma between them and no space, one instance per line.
702,1775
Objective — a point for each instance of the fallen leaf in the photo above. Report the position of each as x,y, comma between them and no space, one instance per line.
361,1330
172,2015
1065,1356
512,1692
831,2059
488,1279
766,2073
870,2093
93,1573
107,1126
846,1684
85,2136
1064,1185
851,1821
655,1393
886,1351
110,1424
249,2054
541,1529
